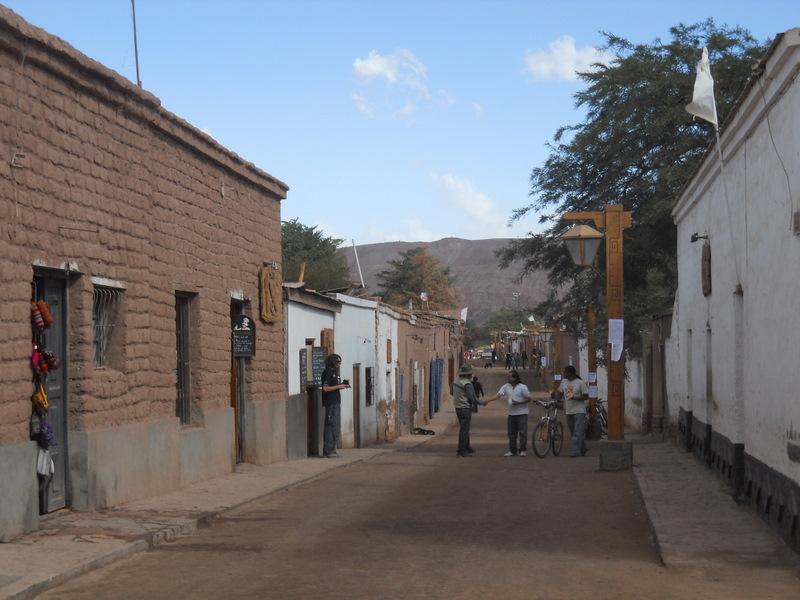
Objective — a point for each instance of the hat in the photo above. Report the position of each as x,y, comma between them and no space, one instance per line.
465,369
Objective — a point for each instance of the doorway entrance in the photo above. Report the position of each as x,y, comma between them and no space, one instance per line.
356,386
53,289
238,382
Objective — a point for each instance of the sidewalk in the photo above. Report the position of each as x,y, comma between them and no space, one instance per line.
71,543
696,523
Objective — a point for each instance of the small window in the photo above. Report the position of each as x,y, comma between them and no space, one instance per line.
183,355
370,384
389,351
107,324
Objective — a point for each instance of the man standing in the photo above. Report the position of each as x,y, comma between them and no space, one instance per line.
331,400
517,396
464,399
575,392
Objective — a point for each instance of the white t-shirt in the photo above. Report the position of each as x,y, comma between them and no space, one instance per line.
574,389
520,392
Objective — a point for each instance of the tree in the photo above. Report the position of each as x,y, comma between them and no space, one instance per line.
416,272
325,268
636,146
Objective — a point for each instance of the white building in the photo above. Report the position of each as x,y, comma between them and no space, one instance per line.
732,357
308,316
354,341
387,346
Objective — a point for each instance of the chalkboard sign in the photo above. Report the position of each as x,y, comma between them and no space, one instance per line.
243,336
314,377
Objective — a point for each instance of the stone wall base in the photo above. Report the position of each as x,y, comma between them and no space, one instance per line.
19,499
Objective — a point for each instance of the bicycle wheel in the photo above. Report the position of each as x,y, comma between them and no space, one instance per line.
541,439
557,438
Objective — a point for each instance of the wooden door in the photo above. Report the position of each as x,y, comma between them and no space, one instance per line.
356,386
54,338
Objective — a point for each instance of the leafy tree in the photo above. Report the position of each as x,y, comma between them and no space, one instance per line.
636,146
325,269
415,272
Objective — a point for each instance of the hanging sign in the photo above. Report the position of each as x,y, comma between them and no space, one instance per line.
243,336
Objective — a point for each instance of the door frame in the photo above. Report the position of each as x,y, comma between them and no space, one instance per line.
356,405
64,278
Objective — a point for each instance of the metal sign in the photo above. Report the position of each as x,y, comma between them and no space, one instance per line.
243,336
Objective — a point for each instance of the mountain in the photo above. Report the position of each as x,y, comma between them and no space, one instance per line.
485,287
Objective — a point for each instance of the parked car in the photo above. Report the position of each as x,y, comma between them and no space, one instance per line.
487,354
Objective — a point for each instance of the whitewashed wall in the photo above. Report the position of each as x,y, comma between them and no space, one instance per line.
634,385
386,330
303,322
354,340
734,360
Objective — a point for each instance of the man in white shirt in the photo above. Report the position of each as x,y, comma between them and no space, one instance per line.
517,396
574,391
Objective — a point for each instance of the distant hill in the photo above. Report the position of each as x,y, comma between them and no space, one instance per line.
473,263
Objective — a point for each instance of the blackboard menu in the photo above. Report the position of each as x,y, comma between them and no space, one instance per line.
312,378
243,336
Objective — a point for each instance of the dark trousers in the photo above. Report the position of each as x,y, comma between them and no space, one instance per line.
464,418
517,429
330,434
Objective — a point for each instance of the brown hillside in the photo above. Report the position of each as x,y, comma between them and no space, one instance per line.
484,285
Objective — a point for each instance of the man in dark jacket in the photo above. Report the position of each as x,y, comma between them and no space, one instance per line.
464,399
331,400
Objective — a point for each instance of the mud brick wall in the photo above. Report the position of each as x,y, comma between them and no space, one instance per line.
114,184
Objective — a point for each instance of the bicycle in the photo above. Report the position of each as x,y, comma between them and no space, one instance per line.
549,432
601,415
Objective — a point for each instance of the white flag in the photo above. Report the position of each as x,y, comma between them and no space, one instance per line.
423,296
703,104
464,313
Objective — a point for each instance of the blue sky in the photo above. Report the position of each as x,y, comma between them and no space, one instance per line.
404,120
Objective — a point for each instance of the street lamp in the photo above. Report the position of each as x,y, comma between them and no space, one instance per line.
582,242
545,334
516,297
614,220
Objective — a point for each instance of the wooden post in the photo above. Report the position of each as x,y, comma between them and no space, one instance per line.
615,220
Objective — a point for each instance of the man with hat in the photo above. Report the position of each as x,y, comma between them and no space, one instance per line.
464,399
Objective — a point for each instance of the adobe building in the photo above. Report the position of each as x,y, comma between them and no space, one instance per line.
148,240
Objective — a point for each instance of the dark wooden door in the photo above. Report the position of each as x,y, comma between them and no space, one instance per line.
53,291
238,378
356,385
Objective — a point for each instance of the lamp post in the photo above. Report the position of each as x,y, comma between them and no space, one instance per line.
545,334
582,242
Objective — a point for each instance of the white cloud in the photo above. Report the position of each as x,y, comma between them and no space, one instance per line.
564,60
460,192
407,110
478,109
364,107
410,230
446,98
400,68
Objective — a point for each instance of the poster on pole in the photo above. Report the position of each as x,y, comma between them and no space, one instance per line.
616,335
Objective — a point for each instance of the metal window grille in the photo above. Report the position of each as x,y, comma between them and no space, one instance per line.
183,358
370,385
105,308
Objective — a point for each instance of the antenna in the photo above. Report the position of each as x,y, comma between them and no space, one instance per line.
135,43
358,264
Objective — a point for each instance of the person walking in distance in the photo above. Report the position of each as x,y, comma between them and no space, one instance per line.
517,396
464,398
574,391
331,400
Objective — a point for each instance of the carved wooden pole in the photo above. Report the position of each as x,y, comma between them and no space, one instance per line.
615,221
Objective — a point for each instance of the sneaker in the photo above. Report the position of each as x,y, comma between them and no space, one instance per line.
470,450
523,453
463,455
507,454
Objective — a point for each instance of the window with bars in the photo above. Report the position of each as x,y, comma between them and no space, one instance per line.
370,386
184,334
106,322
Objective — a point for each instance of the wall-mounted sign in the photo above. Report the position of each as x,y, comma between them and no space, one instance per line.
243,336
312,364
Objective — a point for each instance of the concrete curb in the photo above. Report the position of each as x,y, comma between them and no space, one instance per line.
172,532
644,496
90,565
